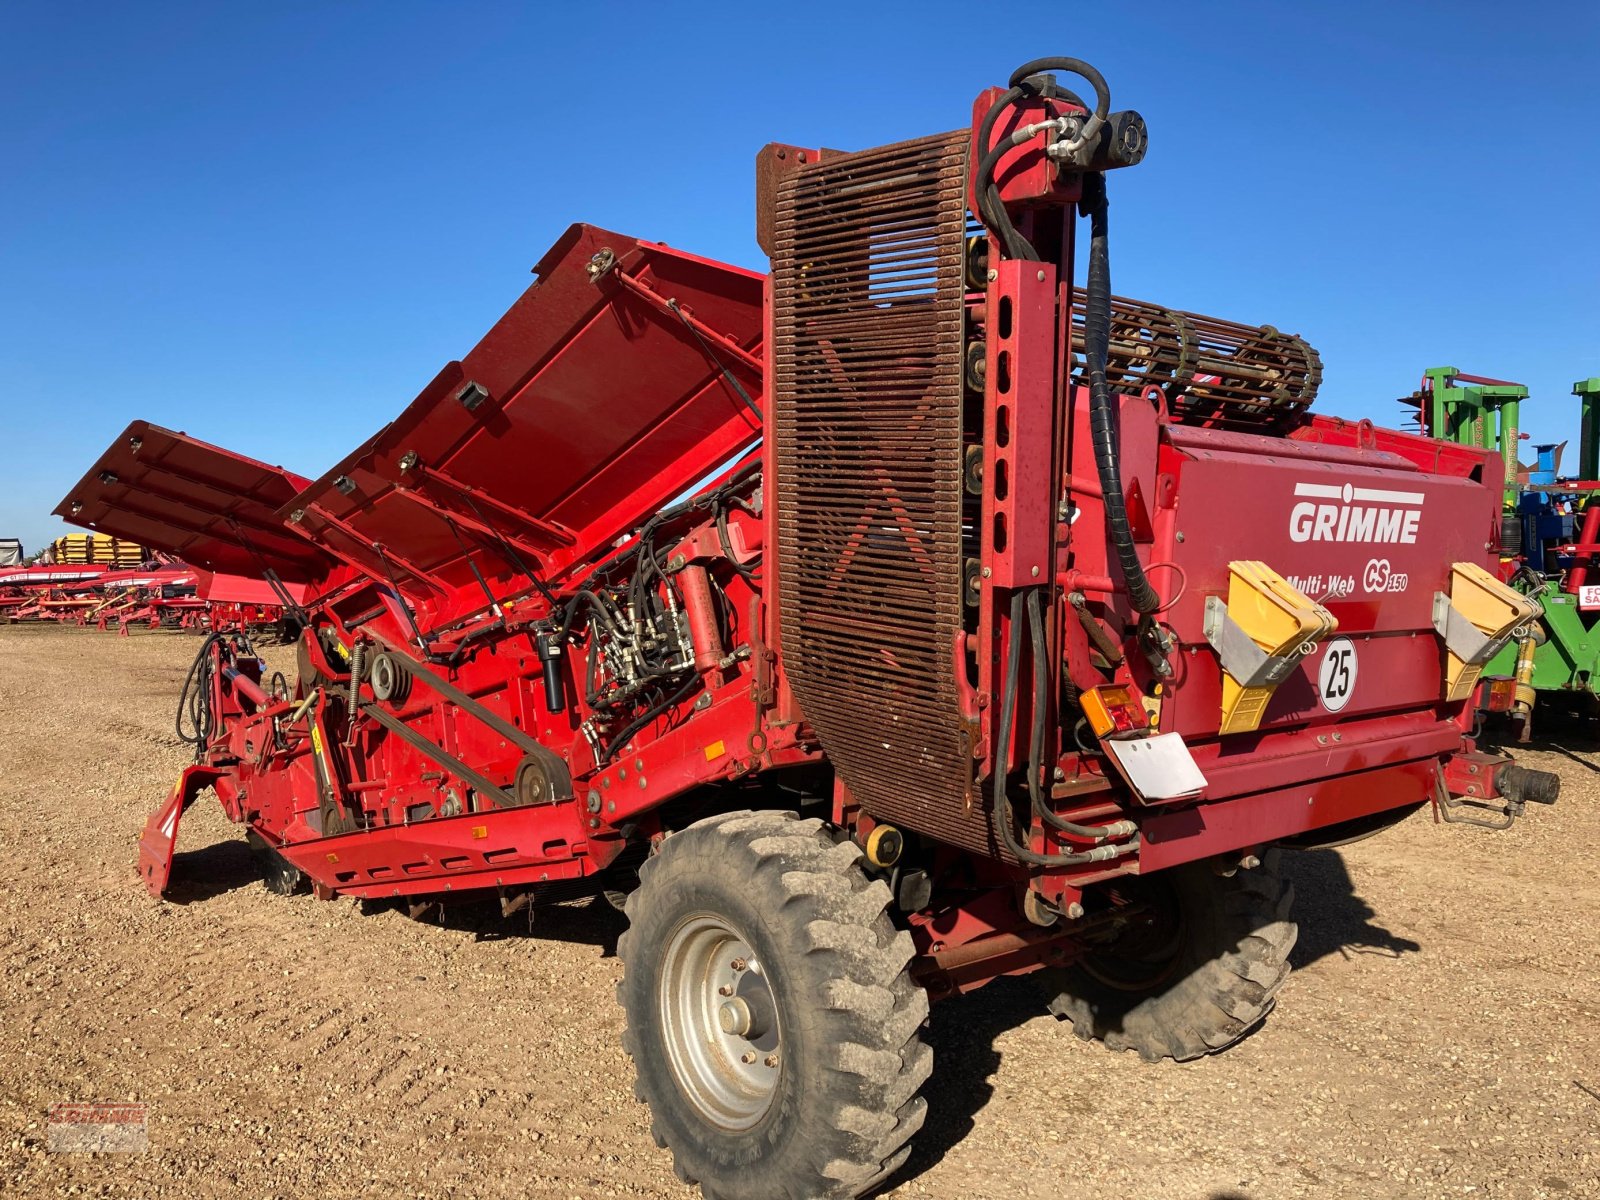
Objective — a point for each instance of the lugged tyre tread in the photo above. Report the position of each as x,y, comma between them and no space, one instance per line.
1220,999
852,961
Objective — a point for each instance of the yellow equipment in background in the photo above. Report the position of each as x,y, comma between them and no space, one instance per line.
82,549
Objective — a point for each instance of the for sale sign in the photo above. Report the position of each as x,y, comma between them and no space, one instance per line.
1589,596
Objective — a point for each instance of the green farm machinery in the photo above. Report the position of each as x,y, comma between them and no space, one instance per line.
1550,537
1472,410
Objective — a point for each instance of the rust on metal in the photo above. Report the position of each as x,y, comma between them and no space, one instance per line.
867,293
1213,372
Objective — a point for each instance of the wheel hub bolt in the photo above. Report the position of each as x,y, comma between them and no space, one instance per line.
734,1017
739,964
771,1060
747,1059
724,990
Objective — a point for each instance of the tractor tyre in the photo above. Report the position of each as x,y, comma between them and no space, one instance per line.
281,877
771,1018
1196,973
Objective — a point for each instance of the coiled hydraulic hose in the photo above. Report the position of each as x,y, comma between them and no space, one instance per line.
196,720
1023,86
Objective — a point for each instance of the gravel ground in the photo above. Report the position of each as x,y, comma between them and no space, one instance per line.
1439,1037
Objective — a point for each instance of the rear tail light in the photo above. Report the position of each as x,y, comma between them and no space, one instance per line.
1115,711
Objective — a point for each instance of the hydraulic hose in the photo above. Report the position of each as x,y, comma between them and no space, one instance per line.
196,720
592,601
1022,86
1102,417
726,542
1008,709
1097,316
1074,66
1002,799
622,738
1041,708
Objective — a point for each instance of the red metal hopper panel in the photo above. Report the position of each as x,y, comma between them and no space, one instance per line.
604,392
1362,531
220,588
197,502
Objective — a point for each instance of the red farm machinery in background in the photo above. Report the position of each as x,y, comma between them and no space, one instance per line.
160,595
25,590
111,581
907,618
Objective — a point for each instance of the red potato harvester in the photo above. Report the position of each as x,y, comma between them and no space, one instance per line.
907,618
43,591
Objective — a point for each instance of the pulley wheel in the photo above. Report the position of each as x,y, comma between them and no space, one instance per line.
390,680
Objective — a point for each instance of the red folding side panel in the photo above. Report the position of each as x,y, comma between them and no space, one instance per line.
620,378
207,506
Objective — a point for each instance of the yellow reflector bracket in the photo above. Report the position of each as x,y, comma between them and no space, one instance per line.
1475,619
1262,631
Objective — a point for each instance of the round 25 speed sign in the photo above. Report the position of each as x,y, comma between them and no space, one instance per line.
1337,678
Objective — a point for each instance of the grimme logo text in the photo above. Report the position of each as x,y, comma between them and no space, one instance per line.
1345,513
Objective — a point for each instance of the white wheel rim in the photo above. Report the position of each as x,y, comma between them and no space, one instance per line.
719,1022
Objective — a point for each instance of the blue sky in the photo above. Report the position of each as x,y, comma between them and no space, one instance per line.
269,225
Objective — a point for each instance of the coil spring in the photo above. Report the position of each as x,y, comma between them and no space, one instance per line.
358,663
